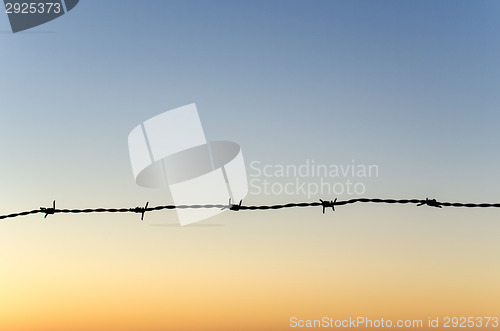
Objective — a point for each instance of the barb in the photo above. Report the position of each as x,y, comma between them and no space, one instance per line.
430,202
237,207
327,204
231,206
140,210
49,211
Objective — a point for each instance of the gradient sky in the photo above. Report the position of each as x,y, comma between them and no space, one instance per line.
411,86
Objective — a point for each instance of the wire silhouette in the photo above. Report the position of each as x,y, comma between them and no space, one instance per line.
237,207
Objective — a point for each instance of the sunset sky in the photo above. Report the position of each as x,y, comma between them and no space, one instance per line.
408,86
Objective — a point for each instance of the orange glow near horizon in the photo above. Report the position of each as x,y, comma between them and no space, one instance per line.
228,276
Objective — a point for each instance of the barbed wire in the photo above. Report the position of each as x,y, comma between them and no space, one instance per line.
325,204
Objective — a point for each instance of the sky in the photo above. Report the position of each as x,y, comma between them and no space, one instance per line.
411,87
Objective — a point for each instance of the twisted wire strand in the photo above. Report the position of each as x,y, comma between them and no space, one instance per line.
236,207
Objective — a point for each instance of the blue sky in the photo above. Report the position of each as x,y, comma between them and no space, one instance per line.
411,86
